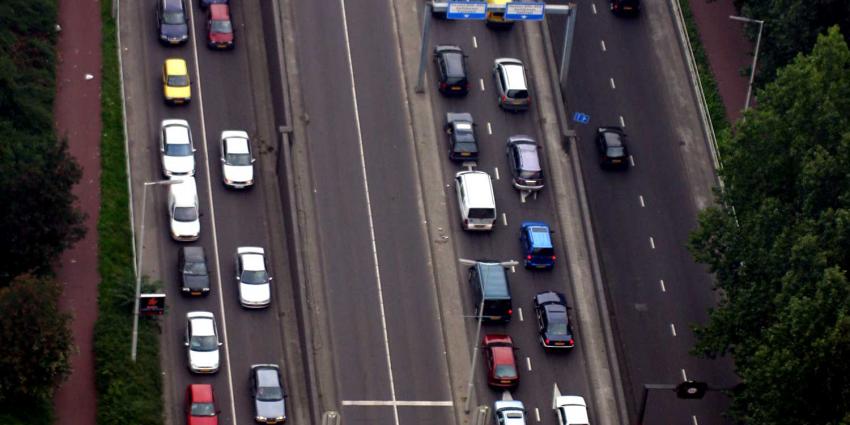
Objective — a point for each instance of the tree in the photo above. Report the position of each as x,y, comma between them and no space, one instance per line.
780,258
35,341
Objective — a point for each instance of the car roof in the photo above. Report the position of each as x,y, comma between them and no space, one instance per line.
494,280
202,326
497,339
459,116
539,234
513,73
574,407
267,376
236,144
454,63
193,253
186,190
176,66
173,5
219,12
201,393
478,198
550,297
176,134
528,156
253,262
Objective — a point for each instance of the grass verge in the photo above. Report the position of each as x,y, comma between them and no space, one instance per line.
125,389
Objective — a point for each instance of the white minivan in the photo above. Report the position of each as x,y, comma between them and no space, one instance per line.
183,210
475,200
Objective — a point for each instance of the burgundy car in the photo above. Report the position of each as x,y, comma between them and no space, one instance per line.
498,350
219,27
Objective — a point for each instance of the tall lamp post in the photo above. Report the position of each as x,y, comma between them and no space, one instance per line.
755,55
141,252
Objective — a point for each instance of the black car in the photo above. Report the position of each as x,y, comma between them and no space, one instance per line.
553,322
625,7
172,22
267,392
611,145
451,70
463,145
206,3
192,266
524,162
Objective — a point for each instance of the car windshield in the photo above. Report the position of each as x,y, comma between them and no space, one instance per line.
238,159
185,214
530,175
178,80
269,393
203,409
254,277
178,149
173,18
203,343
615,152
198,269
221,26
505,371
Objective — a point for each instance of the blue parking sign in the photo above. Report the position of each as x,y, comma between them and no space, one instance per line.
581,118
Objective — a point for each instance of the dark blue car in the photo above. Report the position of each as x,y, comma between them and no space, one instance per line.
172,21
536,241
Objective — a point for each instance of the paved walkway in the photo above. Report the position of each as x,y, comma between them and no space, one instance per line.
77,117
728,49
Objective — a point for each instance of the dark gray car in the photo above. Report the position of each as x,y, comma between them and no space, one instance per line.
172,21
463,145
192,266
268,394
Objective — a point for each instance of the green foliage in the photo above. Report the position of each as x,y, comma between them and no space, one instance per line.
26,412
781,256
35,340
125,389
38,219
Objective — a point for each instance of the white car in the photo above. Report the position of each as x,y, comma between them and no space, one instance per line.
253,278
509,412
571,410
176,148
202,342
237,161
183,210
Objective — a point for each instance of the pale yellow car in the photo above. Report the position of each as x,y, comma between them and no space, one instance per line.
175,81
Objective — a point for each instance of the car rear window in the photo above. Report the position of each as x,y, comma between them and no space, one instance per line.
505,371
518,94
542,251
615,152
482,213
178,80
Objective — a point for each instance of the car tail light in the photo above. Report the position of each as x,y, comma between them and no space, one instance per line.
572,342
466,222
443,85
504,98
553,258
510,311
528,257
546,341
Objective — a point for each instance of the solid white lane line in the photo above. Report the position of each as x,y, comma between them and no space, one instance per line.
632,160
593,6
663,288
489,128
602,42
684,375
537,414
673,329
405,403
642,204
519,311
528,363
217,260
496,170
613,86
622,121
504,219
369,211
481,81
652,242
474,42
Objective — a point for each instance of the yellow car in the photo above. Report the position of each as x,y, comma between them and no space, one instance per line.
175,81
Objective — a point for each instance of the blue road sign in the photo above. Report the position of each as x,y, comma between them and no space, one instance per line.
581,118
524,11
466,10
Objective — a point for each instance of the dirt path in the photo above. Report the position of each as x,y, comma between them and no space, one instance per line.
77,115
728,50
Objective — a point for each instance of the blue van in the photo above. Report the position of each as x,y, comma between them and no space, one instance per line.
536,241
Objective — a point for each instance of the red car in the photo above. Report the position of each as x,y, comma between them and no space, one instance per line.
200,405
219,27
499,357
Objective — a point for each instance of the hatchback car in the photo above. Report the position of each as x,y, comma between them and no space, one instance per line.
267,392
535,238
553,323
200,406
184,210
194,275
509,412
571,410
625,7
172,21
498,351
463,144
202,342
511,84
611,147
451,70
219,27
523,155
175,81
253,278
237,160
176,148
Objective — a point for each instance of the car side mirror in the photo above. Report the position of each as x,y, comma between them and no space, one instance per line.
271,279
186,344
218,412
194,150
253,160
220,344
222,159
238,278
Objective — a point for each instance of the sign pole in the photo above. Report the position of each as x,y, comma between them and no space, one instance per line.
569,29
423,51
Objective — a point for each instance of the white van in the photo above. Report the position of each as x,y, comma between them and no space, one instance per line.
183,209
475,200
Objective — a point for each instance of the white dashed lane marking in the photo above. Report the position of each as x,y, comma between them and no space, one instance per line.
673,329
489,128
652,242
602,43
593,6
663,288
481,81
613,86
474,42
642,204
622,121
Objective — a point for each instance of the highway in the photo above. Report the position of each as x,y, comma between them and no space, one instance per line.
227,93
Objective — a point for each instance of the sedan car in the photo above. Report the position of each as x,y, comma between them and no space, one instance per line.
175,81
194,275
451,70
237,161
571,410
202,342
498,351
553,323
267,392
172,21
176,148
509,412
252,277
463,144
523,155
219,27
612,149
200,405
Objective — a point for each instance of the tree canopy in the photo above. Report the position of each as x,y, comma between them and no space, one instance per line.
781,256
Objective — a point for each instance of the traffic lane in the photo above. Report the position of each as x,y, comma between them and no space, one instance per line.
342,214
369,415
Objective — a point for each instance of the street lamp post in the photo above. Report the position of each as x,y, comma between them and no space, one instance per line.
755,54
141,252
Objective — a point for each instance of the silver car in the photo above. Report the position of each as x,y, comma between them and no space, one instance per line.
268,394
202,342
237,161
253,278
176,148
